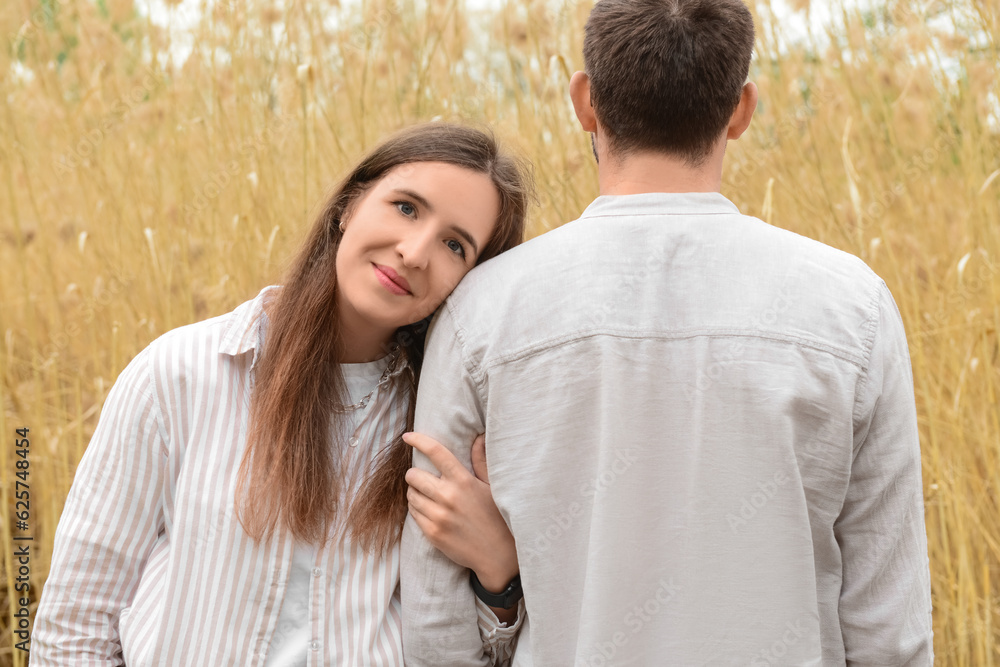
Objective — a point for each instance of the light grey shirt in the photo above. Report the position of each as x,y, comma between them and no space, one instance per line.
701,431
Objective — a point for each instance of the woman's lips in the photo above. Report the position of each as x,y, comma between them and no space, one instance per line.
391,280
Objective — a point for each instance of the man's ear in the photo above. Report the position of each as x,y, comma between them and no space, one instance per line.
579,92
740,119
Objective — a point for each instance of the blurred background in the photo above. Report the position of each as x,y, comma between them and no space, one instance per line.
160,161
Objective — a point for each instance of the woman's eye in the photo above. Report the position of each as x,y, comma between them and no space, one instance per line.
406,208
458,248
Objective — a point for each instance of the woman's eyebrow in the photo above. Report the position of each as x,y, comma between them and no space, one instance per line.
420,199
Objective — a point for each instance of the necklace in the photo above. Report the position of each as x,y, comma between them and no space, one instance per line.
393,369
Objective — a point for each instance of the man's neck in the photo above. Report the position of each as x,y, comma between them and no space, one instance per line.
653,172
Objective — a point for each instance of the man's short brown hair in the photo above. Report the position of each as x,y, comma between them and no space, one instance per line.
666,75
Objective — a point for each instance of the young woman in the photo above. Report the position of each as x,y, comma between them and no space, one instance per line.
241,500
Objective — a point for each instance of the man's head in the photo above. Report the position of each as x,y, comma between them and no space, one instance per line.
665,76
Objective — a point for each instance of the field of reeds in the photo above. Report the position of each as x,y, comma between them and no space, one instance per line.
156,174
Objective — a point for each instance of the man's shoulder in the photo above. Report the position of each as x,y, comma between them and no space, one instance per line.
809,253
783,249
673,266
521,261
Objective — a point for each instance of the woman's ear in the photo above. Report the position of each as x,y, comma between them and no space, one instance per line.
348,211
353,201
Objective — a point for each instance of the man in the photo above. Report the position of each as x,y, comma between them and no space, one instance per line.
701,429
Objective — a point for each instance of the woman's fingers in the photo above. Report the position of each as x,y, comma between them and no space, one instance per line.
419,502
425,482
436,524
456,512
426,526
479,458
443,460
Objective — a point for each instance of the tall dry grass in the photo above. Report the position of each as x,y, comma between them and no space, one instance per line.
138,194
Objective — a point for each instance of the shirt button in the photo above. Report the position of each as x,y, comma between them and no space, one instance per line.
317,572
314,645
354,441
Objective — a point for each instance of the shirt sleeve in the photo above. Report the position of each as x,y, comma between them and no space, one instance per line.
440,625
111,518
499,641
885,598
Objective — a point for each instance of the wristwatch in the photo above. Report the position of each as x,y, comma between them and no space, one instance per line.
506,599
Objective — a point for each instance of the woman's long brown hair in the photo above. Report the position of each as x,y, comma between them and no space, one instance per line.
288,475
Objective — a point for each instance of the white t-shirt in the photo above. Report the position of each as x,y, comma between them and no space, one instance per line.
291,638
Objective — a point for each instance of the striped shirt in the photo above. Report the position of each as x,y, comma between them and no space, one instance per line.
150,564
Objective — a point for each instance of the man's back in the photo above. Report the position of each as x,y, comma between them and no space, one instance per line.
701,431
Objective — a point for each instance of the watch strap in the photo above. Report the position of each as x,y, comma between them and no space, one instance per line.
505,599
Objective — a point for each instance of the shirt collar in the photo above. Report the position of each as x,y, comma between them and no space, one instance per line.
247,325
660,203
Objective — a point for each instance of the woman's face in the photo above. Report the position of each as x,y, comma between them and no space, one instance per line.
407,243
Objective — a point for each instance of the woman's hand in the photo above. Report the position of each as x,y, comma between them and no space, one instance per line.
457,514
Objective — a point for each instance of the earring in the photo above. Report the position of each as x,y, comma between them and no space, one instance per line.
341,226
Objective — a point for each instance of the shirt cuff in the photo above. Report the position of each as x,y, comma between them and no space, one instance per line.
499,639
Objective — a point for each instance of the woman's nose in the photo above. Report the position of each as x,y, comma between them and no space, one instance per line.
415,247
